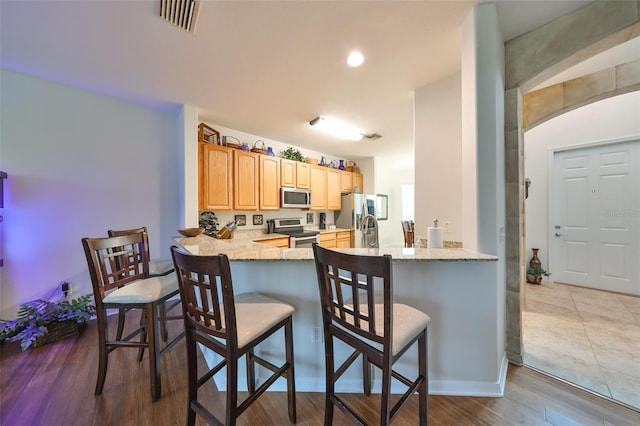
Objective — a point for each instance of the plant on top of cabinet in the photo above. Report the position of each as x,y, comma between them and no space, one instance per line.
293,154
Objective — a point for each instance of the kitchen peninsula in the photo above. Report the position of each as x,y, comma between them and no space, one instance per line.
455,287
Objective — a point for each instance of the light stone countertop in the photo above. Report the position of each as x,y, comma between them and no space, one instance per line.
244,248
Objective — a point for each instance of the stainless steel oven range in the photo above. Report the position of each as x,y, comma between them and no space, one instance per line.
294,228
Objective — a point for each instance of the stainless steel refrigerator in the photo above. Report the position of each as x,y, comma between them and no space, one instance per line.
358,213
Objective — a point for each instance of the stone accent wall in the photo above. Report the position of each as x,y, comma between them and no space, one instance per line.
544,104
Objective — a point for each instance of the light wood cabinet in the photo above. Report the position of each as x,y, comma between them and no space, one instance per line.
214,177
318,180
343,239
347,182
245,179
358,182
303,171
288,173
328,240
269,183
334,179
295,174
276,242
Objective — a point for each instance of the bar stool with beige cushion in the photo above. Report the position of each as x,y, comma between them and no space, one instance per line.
380,332
231,326
119,271
157,268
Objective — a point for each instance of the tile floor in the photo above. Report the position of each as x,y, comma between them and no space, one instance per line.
587,337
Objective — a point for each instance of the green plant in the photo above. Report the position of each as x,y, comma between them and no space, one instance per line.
538,272
293,154
33,318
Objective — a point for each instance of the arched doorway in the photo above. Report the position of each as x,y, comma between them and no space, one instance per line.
531,59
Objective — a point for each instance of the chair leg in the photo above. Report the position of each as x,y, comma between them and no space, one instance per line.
232,391
385,397
291,382
103,354
329,385
163,321
121,316
366,375
192,371
143,335
423,371
154,351
251,372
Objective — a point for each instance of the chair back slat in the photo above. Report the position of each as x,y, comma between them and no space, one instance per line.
362,279
142,230
115,261
207,294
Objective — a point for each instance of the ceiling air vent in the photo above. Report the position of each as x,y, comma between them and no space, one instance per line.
180,12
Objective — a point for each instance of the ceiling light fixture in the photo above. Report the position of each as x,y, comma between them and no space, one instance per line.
355,59
341,130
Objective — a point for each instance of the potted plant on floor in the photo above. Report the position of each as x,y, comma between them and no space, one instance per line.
41,321
535,274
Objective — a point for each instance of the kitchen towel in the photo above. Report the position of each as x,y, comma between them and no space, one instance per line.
434,237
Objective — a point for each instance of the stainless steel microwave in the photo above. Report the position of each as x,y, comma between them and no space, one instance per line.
295,198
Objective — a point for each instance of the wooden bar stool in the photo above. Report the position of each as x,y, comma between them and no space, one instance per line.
381,332
157,268
407,230
119,270
232,326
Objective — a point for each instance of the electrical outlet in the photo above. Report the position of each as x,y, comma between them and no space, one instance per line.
447,227
316,335
65,287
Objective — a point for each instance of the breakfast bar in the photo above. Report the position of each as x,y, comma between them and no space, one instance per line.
457,288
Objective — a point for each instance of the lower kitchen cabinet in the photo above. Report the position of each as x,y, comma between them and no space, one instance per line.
328,240
343,239
276,242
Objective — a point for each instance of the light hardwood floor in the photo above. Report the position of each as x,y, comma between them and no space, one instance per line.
588,337
54,385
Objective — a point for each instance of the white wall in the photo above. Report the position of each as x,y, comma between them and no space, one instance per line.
607,120
78,164
483,151
438,156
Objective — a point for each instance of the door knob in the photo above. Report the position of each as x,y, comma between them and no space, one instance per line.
558,234
557,226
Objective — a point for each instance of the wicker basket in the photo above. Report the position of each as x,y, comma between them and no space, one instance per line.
262,150
57,331
228,144
208,134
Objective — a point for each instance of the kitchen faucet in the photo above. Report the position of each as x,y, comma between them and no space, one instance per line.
366,231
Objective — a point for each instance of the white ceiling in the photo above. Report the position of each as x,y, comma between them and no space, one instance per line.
262,67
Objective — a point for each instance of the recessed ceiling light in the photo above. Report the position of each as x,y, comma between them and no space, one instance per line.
355,59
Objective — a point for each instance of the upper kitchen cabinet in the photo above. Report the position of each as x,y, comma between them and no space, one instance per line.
269,183
294,174
303,172
358,183
334,183
318,180
347,182
245,178
215,177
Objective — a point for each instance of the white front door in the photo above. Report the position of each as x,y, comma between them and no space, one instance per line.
594,202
